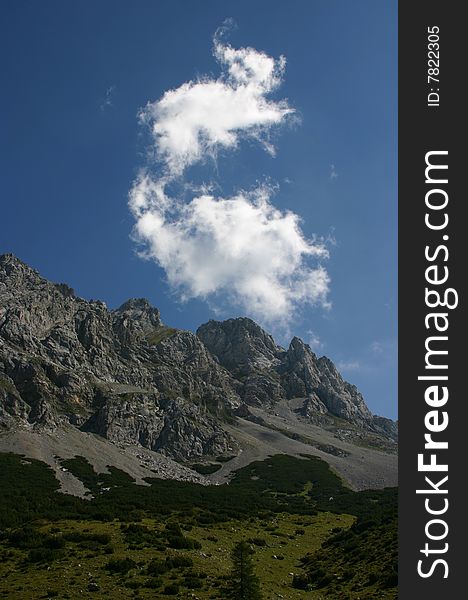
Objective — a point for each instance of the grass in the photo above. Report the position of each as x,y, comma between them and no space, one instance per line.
361,560
161,333
129,569
132,541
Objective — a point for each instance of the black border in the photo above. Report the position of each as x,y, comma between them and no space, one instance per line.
422,129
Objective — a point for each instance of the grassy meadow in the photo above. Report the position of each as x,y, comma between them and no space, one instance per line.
312,537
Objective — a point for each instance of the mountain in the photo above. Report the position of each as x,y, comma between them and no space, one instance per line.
71,370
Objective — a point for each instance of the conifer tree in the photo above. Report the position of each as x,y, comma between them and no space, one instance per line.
243,584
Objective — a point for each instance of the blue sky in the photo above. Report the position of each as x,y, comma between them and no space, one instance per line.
75,76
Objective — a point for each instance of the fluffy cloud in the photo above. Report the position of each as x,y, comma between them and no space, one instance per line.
198,118
240,249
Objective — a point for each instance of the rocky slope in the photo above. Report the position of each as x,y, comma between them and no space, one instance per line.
124,375
267,373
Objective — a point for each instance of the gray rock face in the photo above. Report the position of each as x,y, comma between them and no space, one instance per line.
126,376
136,318
65,359
240,345
267,373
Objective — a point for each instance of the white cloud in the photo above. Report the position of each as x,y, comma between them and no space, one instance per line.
333,173
314,341
198,118
108,97
239,249
377,348
350,365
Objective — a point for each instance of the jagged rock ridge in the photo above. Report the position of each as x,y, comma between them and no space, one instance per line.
126,376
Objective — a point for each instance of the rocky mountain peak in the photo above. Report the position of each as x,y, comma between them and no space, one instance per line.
10,259
15,273
125,375
240,344
299,350
139,310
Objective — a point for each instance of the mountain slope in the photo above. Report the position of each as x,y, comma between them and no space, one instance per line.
122,374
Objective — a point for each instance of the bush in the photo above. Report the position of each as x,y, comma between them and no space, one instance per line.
192,583
133,585
323,581
171,589
26,537
157,567
299,582
78,537
136,534
120,565
38,555
256,541
177,562
206,469
153,583
54,542
182,543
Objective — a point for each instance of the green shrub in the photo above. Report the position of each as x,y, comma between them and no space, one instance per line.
153,583
39,555
257,541
183,543
158,567
179,561
78,537
192,583
300,582
205,469
120,565
171,589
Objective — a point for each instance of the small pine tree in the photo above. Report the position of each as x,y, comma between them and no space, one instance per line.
243,584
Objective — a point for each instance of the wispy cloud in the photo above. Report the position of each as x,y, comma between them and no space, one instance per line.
349,366
108,98
240,249
199,118
333,173
377,348
375,356
314,341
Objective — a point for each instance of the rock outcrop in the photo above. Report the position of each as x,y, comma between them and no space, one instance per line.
267,373
126,376
121,374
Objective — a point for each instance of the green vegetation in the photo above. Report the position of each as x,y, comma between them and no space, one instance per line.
362,560
223,459
148,541
161,333
205,469
243,583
